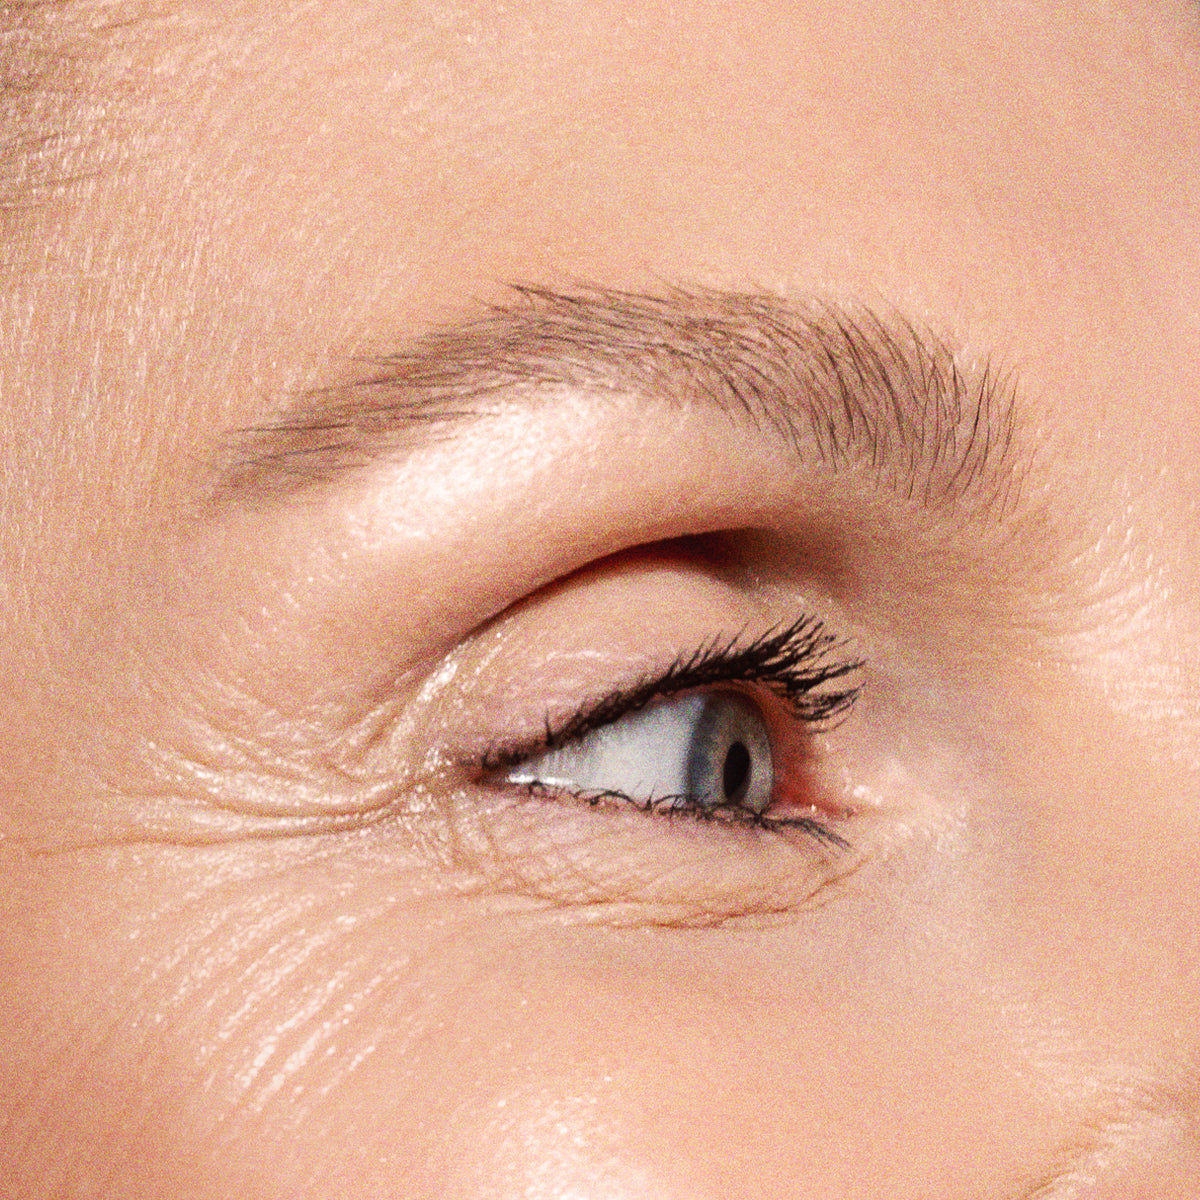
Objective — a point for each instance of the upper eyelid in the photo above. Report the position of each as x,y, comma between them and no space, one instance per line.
799,471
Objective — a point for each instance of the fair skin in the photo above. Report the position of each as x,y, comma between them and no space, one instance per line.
275,922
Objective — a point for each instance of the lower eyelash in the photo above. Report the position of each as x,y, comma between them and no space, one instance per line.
687,808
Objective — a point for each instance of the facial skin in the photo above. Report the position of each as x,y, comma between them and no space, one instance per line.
270,928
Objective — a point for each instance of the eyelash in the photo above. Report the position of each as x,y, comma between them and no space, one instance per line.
802,664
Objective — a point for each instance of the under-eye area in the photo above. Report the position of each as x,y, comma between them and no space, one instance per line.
605,857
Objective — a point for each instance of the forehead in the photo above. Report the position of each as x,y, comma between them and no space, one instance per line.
1018,176
383,158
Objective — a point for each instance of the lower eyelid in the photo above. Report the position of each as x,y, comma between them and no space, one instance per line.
682,808
617,863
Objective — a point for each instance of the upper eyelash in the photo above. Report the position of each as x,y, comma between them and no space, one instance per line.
797,662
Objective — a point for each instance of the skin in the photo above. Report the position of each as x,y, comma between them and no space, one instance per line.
259,938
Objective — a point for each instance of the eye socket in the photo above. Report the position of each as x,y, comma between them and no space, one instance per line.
708,754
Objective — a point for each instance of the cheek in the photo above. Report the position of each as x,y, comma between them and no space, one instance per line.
309,1022
654,1063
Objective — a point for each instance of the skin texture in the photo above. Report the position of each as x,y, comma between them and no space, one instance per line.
265,935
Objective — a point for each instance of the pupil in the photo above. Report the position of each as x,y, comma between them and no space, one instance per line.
736,771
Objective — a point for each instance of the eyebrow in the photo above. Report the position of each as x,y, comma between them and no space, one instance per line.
841,388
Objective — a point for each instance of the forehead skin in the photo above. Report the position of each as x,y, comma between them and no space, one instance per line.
243,198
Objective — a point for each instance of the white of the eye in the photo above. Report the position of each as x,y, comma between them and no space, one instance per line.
711,749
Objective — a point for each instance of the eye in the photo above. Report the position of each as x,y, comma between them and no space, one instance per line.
724,734
705,753
704,788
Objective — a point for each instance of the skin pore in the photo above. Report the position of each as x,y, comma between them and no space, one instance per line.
389,389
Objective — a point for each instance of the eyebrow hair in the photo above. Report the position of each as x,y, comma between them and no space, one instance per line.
843,388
